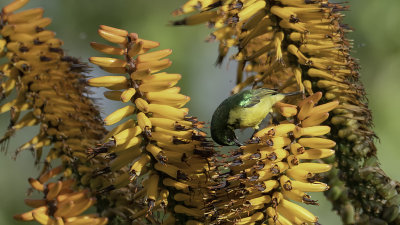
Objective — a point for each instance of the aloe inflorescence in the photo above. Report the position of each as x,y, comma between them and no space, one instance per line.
160,150
62,202
274,167
289,44
158,166
49,90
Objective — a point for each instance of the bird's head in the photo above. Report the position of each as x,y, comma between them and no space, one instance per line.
225,137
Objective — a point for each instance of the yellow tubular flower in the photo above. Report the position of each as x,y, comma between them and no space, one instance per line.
168,151
62,202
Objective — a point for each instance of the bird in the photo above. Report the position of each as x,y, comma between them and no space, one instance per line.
242,110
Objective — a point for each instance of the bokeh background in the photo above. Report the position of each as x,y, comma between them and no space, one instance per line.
376,44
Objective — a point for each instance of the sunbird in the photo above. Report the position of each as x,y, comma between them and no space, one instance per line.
244,109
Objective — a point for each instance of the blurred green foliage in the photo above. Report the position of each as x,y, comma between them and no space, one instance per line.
376,44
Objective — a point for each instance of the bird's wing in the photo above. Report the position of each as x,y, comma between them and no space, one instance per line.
252,97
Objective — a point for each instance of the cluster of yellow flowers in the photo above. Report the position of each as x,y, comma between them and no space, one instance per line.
302,44
49,93
48,86
274,168
160,148
157,165
61,204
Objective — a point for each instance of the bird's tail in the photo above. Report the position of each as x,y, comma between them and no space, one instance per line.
293,93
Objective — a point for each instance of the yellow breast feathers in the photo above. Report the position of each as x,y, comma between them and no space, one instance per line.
251,116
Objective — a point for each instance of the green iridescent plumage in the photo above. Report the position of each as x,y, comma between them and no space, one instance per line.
245,109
